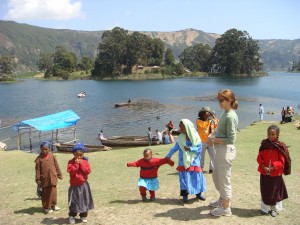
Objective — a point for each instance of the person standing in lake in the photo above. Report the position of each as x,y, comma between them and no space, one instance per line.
223,140
190,173
261,112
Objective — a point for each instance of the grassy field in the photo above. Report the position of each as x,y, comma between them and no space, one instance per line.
116,196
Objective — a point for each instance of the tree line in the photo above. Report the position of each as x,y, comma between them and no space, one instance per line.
234,53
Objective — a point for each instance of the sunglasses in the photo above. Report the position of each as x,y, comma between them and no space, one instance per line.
221,100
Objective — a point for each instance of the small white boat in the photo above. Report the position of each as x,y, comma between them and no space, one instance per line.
3,146
81,94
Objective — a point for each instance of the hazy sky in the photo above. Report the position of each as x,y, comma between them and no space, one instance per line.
263,19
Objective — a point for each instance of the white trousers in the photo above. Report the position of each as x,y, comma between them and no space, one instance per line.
225,155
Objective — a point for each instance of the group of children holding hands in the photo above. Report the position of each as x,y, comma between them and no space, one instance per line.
273,159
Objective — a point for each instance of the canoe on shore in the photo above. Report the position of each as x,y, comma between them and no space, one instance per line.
88,148
176,132
122,104
128,141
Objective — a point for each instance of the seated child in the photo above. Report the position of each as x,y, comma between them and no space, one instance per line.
148,173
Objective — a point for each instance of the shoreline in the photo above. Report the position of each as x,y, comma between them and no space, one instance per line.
254,123
139,76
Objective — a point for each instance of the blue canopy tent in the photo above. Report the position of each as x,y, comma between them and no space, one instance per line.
51,122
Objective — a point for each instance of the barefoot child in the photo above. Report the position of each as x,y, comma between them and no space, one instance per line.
80,196
274,160
148,173
47,172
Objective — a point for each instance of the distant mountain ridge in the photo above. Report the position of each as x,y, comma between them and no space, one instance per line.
26,42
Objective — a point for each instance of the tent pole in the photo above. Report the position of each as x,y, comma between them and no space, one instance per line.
19,139
75,138
30,141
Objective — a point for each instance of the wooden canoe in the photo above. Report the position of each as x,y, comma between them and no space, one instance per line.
121,104
176,132
88,148
128,141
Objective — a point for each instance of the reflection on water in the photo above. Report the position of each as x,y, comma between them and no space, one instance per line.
156,102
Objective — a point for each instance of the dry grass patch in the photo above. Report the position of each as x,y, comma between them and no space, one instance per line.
116,195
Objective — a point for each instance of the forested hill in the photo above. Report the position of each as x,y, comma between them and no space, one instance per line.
26,42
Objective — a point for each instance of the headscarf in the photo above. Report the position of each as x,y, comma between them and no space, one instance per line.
45,143
78,147
281,147
188,156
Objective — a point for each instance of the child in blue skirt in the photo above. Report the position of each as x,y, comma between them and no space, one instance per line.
148,173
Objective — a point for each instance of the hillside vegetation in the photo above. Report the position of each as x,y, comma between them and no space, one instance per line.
27,42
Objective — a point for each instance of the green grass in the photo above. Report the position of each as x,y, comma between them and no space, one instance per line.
116,196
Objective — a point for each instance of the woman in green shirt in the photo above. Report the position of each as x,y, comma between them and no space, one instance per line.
223,139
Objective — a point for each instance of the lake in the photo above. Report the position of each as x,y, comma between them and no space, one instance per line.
158,101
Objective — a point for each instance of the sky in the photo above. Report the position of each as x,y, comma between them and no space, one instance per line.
262,19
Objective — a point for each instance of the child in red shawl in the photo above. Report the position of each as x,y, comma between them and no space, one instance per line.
274,160
148,173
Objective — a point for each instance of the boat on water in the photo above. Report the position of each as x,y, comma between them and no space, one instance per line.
122,104
3,146
81,94
128,141
88,148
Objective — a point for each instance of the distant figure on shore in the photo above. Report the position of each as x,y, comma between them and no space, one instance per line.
150,136
283,113
166,138
129,101
170,126
289,114
261,112
101,135
158,136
